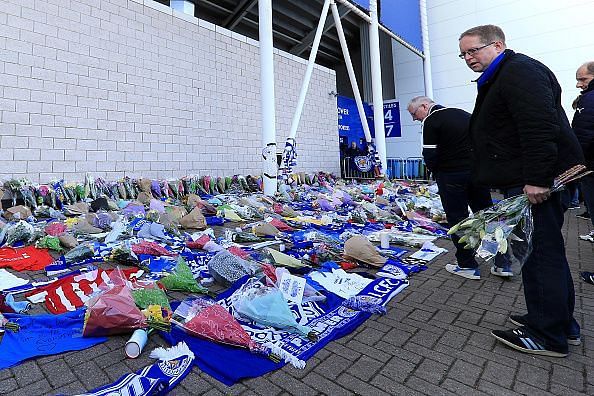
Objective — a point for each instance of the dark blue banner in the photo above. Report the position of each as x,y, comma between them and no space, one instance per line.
350,128
392,118
349,124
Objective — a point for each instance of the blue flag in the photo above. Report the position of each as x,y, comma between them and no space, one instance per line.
329,319
42,335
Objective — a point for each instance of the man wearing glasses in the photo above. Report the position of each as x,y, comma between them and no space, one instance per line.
447,154
522,140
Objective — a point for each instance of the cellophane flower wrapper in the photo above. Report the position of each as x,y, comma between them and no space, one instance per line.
267,307
79,253
113,311
204,318
49,242
182,279
507,227
150,295
155,306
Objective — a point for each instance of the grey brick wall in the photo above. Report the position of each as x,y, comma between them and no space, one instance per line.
118,87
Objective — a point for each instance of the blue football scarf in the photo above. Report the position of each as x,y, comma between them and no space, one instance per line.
43,335
329,319
157,379
490,71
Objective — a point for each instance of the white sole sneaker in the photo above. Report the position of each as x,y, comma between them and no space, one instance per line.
473,274
571,340
500,272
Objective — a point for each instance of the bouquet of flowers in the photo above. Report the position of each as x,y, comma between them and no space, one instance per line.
204,318
507,226
113,311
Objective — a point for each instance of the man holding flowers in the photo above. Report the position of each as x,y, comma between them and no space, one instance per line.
521,140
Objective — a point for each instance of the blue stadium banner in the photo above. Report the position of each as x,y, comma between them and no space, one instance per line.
392,118
349,123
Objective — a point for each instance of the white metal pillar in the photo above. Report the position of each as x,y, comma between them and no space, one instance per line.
427,60
310,66
290,152
376,82
351,72
269,166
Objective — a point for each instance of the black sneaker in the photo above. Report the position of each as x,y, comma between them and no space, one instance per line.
519,320
585,216
519,340
587,277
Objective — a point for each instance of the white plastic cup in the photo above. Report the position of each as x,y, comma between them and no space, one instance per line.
282,247
384,240
136,343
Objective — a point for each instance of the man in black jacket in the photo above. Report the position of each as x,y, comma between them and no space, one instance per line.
583,126
447,154
522,140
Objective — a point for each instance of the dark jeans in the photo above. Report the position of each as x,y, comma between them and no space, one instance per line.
548,285
587,186
570,196
457,193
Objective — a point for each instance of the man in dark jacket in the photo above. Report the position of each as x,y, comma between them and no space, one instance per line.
447,154
583,126
522,140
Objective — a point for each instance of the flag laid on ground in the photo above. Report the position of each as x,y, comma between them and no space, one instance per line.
71,292
329,319
42,335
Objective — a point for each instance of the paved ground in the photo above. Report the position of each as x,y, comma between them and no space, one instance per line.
435,340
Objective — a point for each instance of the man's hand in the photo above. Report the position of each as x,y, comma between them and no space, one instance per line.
536,194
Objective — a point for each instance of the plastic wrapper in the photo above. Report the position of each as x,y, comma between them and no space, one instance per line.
68,241
267,307
505,228
16,213
113,311
152,295
27,194
49,242
359,248
182,279
123,254
151,248
227,268
204,318
55,228
242,237
21,231
79,253
102,220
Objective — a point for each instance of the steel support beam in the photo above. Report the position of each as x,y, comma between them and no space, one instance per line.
308,40
238,13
